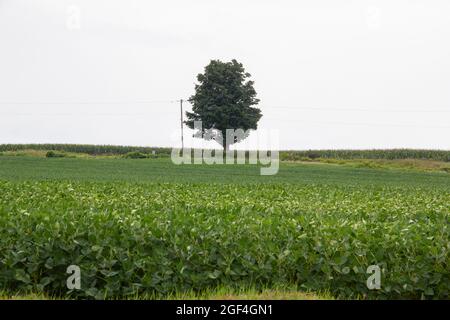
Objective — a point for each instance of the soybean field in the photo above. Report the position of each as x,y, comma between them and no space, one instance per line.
149,227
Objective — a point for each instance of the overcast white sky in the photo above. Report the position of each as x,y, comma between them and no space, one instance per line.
330,74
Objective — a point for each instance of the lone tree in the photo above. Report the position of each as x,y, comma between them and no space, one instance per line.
223,100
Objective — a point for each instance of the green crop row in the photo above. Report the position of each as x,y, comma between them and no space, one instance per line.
391,154
161,238
88,149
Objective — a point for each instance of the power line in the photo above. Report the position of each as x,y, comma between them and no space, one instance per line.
366,124
181,101
355,109
84,102
131,102
59,114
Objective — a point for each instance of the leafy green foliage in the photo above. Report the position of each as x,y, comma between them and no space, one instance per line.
391,154
141,228
223,100
87,149
54,154
135,155
164,238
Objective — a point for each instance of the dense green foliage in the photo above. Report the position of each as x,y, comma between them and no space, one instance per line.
136,155
392,154
161,238
54,154
88,149
224,99
149,227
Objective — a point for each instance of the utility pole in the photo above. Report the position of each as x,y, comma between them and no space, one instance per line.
181,119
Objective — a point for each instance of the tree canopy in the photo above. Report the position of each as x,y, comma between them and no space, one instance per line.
224,99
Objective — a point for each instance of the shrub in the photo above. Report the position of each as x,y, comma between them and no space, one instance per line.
135,155
313,155
54,154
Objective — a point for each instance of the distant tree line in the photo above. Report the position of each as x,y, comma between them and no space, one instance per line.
86,148
389,154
